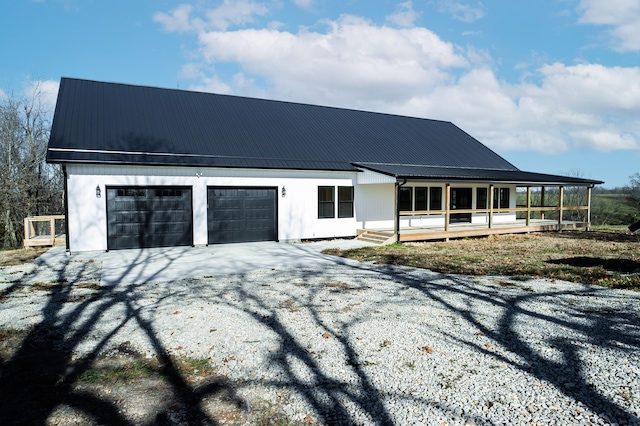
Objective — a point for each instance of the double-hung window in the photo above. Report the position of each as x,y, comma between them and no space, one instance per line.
421,193
435,198
345,201
405,198
481,198
326,202
501,198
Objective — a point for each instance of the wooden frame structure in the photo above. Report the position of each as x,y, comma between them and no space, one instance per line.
41,231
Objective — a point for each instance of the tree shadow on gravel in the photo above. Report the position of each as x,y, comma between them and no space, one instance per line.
327,395
42,373
360,398
607,328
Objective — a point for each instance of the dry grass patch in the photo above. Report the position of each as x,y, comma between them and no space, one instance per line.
20,256
609,258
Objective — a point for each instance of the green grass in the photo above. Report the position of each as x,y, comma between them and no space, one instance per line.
147,368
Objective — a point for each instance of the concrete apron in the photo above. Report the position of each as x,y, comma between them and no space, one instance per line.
136,266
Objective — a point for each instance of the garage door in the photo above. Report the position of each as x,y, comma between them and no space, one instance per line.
149,216
237,215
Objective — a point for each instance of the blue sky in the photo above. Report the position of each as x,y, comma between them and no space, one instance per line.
551,85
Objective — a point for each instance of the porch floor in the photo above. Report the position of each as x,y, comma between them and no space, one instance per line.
461,230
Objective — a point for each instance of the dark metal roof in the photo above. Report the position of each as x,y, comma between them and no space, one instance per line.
97,122
405,171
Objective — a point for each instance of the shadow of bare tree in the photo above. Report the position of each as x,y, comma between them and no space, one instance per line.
349,342
43,373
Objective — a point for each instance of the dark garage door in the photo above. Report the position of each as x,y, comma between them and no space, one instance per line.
238,215
148,216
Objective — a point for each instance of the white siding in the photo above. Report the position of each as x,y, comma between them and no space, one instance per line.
297,211
370,177
375,206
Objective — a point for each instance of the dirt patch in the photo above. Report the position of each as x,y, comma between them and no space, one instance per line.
606,258
20,256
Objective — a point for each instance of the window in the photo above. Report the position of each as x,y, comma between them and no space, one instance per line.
421,197
405,199
481,198
345,201
326,200
435,198
504,198
501,198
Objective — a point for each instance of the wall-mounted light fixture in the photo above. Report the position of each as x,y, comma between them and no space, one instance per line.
284,191
98,191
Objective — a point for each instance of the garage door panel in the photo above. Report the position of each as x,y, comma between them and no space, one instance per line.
141,217
241,215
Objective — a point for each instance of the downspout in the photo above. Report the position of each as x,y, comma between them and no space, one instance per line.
66,209
397,208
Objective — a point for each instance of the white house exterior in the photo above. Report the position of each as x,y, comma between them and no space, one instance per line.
148,167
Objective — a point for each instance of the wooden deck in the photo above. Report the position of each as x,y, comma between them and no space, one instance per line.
462,230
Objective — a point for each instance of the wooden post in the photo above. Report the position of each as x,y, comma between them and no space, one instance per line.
26,227
588,208
490,206
542,203
447,201
528,205
560,204
52,229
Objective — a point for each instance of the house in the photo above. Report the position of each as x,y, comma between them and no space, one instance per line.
152,167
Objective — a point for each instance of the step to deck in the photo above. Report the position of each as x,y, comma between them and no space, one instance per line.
376,237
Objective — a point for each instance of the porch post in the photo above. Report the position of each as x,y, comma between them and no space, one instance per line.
396,209
447,201
588,208
560,204
528,205
490,206
542,203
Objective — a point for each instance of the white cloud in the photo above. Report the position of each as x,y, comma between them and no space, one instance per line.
235,12
461,11
305,4
354,63
622,16
177,20
404,16
44,93
226,14
354,58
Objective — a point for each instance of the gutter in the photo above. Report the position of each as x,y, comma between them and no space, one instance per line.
397,195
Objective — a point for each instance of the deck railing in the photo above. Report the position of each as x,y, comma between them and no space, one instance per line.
44,231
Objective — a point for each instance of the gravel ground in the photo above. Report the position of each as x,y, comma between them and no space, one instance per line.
363,343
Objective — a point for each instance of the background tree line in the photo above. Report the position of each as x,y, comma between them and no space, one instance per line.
29,186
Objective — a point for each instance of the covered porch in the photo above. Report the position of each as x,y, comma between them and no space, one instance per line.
431,208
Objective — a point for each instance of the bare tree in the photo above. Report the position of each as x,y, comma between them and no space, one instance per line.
29,185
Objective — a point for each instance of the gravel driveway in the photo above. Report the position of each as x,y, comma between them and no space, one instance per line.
359,343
